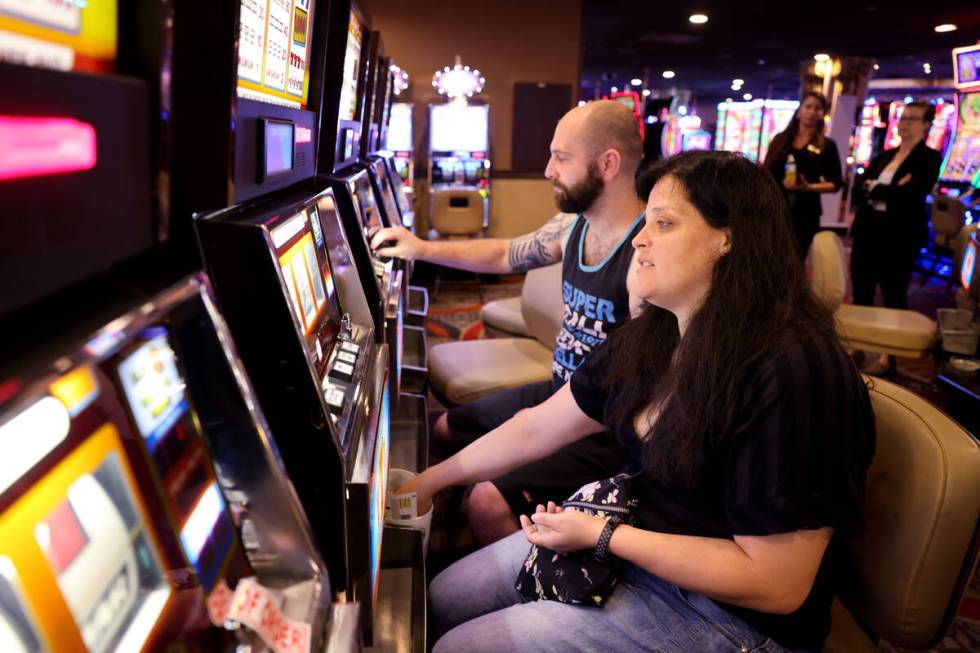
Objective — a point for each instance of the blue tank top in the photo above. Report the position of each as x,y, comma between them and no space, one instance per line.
595,299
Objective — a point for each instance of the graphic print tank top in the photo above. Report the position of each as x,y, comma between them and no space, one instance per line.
594,297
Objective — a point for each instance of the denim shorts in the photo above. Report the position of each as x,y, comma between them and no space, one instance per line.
476,608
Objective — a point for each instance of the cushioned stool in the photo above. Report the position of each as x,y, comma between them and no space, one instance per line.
460,372
890,331
502,318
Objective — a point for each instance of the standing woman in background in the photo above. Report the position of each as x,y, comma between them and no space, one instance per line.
817,165
891,223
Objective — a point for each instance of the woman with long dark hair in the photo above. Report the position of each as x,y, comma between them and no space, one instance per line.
749,428
817,165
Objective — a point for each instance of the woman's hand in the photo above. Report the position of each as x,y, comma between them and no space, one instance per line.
423,492
562,530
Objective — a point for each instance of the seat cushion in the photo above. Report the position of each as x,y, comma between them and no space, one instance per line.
886,330
464,371
504,316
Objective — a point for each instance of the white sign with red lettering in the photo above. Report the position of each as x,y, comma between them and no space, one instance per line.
257,608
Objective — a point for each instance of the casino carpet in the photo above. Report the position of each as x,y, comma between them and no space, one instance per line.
454,314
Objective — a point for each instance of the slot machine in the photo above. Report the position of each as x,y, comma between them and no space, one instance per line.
401,164
359,199
956,192
141,495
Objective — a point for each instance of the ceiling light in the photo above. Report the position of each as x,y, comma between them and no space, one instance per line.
876,66
668,74
646,92
736,87
581,103
747,97
927,68
614,89
699,19
945,27
821,57
636,81
738,82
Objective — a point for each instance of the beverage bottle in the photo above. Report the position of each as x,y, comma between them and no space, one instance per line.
789,178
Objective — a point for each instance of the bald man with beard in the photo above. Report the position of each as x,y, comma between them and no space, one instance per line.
595,152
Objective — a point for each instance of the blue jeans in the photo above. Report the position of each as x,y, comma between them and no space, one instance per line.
475,604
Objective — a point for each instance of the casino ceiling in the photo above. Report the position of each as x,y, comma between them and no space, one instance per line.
764,41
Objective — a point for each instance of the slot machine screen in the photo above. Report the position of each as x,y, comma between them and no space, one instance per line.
454,128
400,128
472,170
367,204
68,36
387,193
352,69
273,51
155,393
309,283
18,634
96,543
968,267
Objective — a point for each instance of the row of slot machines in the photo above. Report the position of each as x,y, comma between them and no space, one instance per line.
207,372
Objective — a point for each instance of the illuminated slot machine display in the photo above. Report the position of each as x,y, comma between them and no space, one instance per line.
64,148
942,126
776,117
696,140
683,133
631,100
401,145
459,141
892,137
118,529
864,134
301,319
740,127
959,177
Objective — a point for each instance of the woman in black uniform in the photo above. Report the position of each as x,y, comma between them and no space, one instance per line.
750,440
817,165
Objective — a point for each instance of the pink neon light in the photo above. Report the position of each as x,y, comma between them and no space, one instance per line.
35,146
303,134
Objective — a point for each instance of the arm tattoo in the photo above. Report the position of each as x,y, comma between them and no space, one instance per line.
539,248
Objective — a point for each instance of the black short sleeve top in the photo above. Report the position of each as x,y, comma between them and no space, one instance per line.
794,458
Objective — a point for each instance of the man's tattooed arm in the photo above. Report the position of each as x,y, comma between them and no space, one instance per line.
539,248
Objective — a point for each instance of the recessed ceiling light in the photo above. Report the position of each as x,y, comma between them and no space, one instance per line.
927,68
646,92
698,19
736,87
747,96
636,81
821,57
738,82
876,66
615,89
668,74
581,103
945,27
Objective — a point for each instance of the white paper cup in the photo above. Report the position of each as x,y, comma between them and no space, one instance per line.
401,509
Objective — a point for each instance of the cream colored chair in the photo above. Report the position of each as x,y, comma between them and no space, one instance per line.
457,213
904,578
460,372
502,318
890,331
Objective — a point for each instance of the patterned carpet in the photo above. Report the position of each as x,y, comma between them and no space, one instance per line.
454,314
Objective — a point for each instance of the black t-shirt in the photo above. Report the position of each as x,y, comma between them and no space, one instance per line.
795,458
815,164
595,299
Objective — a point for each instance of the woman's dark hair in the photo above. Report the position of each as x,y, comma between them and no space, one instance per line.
758,293
928,110
783,141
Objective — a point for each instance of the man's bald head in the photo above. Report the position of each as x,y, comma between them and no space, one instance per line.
608,125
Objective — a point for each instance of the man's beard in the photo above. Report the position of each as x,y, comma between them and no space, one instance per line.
580,197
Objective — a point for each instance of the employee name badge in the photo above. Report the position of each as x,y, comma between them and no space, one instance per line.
257,607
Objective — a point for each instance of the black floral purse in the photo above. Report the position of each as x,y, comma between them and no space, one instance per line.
578,577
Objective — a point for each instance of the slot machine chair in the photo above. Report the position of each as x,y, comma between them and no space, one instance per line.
890,331
947,217
457,214
460,372
503,318
903,579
